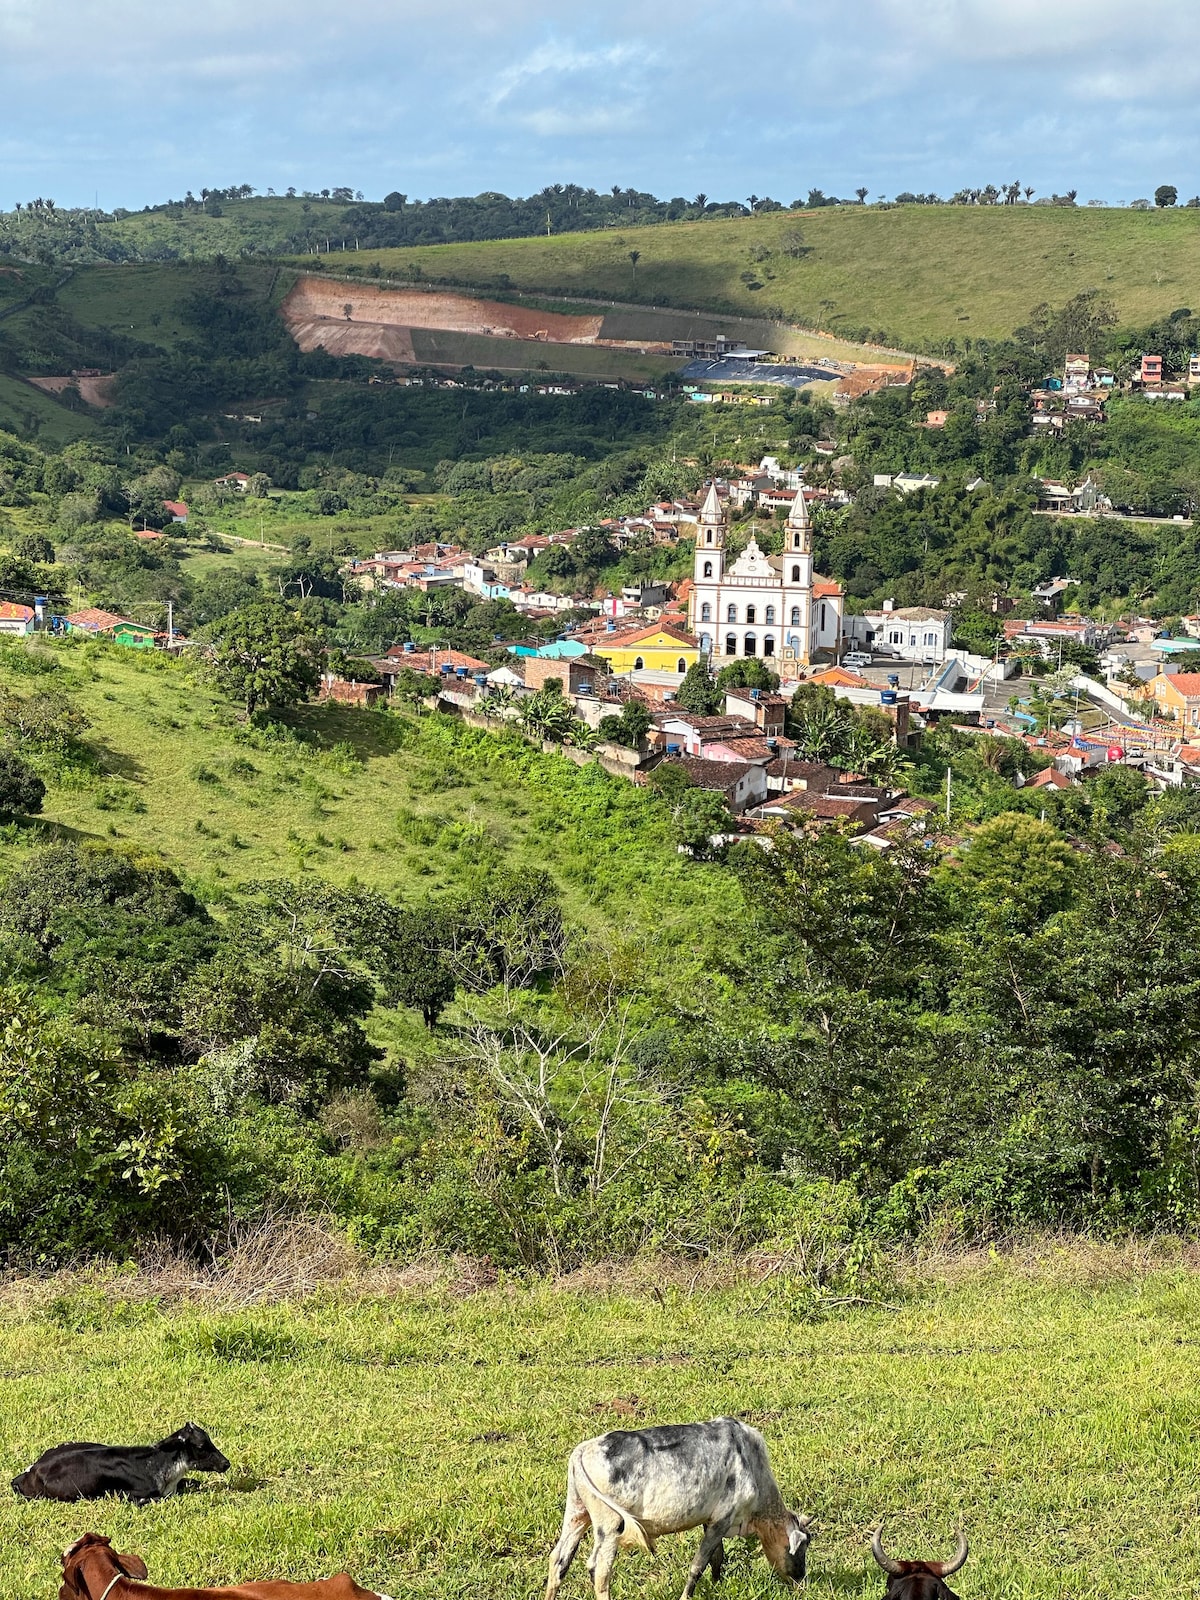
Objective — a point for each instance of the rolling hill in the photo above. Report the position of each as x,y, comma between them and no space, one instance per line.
920,275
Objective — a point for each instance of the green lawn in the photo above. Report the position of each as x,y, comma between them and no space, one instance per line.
920,273
420,1439
143,301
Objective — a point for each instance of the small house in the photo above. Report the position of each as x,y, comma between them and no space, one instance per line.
15,618
1151,370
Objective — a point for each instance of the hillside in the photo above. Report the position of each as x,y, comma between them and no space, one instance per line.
921,275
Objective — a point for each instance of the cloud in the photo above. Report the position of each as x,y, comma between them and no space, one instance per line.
724,95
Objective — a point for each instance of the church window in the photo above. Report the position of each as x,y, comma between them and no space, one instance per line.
795,616
749,645
731,614
768,646
750,615
731,644
708,537
769,617
795,541
795,574
708,569
706,612
681,665
638,665
822,616
706,644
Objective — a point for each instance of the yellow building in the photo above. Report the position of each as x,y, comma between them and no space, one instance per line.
1177,694
658,649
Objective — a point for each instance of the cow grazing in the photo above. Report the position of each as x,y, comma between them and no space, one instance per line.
918,1580
631,1487
138,1472
93,1570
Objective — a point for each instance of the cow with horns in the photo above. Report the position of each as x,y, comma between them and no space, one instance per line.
632,1486
918,1580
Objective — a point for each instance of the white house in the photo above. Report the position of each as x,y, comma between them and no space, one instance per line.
911,633
769,606
15,618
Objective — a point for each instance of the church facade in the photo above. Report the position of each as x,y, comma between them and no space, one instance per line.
760,605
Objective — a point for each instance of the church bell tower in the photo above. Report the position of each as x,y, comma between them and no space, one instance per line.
709,565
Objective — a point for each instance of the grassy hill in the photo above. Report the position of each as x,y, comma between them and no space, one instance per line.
419,1438
920,274
395,803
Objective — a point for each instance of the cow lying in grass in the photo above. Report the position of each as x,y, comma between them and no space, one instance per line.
631,1487
138,1472
93,1570
918,1580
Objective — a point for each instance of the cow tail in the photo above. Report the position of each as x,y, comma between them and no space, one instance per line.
629,1524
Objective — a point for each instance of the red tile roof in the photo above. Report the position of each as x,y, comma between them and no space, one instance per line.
9,612
94,620
680,635
1187,683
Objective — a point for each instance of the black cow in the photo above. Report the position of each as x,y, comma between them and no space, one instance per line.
137,1472
918,1580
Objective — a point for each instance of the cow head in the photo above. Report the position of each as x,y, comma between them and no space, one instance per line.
785,1544
918,1580
94,1551
202,1454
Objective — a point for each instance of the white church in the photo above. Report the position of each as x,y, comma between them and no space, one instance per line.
767,606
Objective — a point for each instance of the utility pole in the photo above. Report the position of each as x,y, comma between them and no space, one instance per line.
947,796
170,622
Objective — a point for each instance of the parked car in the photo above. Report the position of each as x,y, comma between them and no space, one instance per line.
856,658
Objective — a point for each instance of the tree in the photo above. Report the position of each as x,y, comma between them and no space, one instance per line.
747,672
1017,865
33,547
416,971
21,790
634,257
697,693
1165,195
259,486
862,195
266,656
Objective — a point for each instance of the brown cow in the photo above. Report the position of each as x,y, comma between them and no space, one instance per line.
918,1580
93,1570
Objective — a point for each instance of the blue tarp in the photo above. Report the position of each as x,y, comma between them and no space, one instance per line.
733,370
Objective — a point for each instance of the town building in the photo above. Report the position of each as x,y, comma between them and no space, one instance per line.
1177,694
911,633
15,618
661,648
768,606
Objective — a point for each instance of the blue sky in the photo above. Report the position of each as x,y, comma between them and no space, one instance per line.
138,100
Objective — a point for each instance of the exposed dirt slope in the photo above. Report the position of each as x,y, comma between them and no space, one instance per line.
94,391
359,319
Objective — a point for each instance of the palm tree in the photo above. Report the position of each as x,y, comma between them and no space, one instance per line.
822,733
862,195
634,257
700,201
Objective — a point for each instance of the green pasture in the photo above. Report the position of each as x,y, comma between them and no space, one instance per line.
407,805
143,301
264,223
30,413
419,1440
922,274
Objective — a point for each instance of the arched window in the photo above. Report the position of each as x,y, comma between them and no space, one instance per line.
731,614
749,645
706,644
768,646
638,665
795,541
681,666
708,537
708,569
769,615
731,644
822,617
750,614
706,612
795,574
795,616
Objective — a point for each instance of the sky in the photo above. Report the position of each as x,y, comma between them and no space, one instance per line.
136,101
